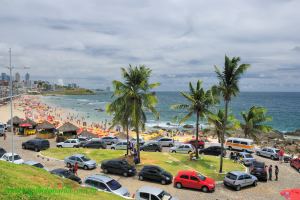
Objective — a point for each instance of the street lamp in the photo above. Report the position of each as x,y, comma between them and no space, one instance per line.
11,104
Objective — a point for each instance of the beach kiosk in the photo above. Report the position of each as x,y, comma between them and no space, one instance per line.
87,134
45,130
27,127
66,131
16,122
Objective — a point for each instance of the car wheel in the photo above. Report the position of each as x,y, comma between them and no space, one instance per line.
204,189
230,148
255,183
272,157
156,150
170,145
69,165
141,178
113,148
59,146
163,182
23,147
238,188
105,171
85,167
178,185
125,174
258,153
173,151
36,149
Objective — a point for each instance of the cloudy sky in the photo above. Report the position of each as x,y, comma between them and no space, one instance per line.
88,41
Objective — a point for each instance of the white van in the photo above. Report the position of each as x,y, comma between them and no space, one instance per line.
242,144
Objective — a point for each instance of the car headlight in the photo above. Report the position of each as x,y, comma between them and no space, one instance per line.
211,185
130,170
167,178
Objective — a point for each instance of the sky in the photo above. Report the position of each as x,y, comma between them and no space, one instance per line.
87,42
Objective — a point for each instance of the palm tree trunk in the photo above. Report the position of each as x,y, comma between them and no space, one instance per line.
222,136
138,144
127,137
197,135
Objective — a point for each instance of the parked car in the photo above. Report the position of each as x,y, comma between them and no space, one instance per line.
151,146
105,183
9,157
36,144
238,180
133,140
295,163
35,164
212,150
201,144
268,152
246,158
241,144
71,143
155,173
183,148
95,144
83,140
2,129
119,146
82,161
118,166
64,173
165,142
258,170
152,193
194,180
2,151
110,140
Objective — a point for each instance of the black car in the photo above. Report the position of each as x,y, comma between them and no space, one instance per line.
2,152
118,166
212,150
151,147
36,144
66,174
155,173
95,144
258,169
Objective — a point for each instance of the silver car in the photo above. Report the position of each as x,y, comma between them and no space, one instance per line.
110,140
83,161
268,152
183,148
35,164
105,183
237,180
165,142
246,158
152,193
119,146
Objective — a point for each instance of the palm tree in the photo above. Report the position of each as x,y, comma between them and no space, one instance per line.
199,102
137,96
217,120
121,115
228,87
254,120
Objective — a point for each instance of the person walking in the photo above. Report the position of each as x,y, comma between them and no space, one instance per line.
281,154
270,173
276,172
75,168
4,136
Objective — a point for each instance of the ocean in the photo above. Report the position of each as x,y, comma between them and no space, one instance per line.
284,107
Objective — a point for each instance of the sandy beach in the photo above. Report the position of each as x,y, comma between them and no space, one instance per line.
5,111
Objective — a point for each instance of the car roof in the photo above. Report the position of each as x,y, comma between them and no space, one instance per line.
189,172
244,153
272,148
10,154
99,177
238,173
151,190
241,139
78,155
59,170
30,162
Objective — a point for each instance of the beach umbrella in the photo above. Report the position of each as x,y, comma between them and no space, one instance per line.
68,127
291,194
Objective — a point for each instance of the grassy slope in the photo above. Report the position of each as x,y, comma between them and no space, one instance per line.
26,182
207,165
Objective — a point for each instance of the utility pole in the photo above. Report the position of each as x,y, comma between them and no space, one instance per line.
11,108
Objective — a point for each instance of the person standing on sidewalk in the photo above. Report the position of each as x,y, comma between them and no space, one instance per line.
276,172
76,168
270,173
281,154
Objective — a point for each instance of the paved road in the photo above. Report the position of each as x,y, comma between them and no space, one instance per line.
288,178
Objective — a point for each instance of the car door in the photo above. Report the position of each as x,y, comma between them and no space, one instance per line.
80,162
72,160
194,182
153,174
180,149
270,153
248,179
241,181
210,151
66,143
116,167
144,196
184,180
150,147
153,197
186,149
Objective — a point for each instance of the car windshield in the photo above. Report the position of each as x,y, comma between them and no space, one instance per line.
259,164
248,156
39,165
113,185
164,196
277,150
1,126
231,176
16,157
85,159
202,178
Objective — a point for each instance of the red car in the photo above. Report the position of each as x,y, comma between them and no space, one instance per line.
193,142
295,163
194,180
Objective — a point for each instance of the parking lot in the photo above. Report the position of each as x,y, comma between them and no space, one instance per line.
288,177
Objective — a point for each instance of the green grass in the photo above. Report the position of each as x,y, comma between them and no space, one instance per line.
207,165
22,182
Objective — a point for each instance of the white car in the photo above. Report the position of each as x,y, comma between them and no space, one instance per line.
9,156
165,142
71,143
182,148
119,146
152,193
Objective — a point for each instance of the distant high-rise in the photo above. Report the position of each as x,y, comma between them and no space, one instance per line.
17,77
4,77
27,77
